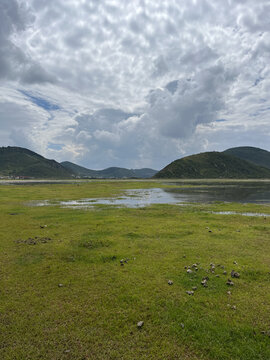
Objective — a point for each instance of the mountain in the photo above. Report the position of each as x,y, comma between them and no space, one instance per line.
210,165
252,154
111,172
17,161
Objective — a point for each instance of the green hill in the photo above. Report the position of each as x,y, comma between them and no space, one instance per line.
17,161
111,172
212,165
254,155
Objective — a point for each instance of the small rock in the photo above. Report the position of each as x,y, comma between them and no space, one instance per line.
235,262
210,231
222,266
234,307
185,267
122,264
60,285
229,282
67,351
194,288
204,282
190,292
229,293
217,276
184,256
194,265
170,282
225,272
43,226
140,324
189,271
196,269
182,325
121,261
235,274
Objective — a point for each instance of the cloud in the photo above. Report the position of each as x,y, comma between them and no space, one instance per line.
135,83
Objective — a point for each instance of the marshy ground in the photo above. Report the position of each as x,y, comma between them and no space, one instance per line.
74,283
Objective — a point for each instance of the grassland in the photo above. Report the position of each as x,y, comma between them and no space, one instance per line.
94,314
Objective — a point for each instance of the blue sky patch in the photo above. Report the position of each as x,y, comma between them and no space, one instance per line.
55,146
39,101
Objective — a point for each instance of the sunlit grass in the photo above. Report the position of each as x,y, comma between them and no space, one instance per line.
94,314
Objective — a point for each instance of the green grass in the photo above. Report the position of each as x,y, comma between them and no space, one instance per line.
94,314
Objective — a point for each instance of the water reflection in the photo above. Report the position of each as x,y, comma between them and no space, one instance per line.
258,193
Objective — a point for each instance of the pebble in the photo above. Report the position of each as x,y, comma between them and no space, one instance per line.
194,288
190,292
235,274
170,282
225,272
182,325
229,293
189,271
217,276
235,263
60,285
140,324
229,282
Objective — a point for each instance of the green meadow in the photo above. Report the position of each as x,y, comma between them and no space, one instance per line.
65,295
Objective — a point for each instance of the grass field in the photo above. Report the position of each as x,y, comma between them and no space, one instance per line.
65,295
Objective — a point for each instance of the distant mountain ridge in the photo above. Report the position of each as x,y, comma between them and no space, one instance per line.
21,162
210,165
111,172
254,155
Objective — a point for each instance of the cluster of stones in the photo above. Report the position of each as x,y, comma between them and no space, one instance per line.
34,241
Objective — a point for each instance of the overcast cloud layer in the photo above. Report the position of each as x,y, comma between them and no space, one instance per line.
134,83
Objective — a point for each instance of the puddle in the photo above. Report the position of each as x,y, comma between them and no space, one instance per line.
240,213
241,193
132,198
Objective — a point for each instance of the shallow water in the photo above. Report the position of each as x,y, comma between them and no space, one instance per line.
257,193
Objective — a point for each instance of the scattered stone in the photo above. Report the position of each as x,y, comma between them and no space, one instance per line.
210,231
140,324
194,265
60,285
182,325
222,266
196,269
263,332
194,288
43,226
190,292
121,261
122,264
34,241
184,256
229,282
235,274
234,307
217,276
67,351
225,272
229,293
170,282
189,271
204,282
235,263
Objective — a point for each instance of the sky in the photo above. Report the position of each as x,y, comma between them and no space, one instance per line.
134,83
